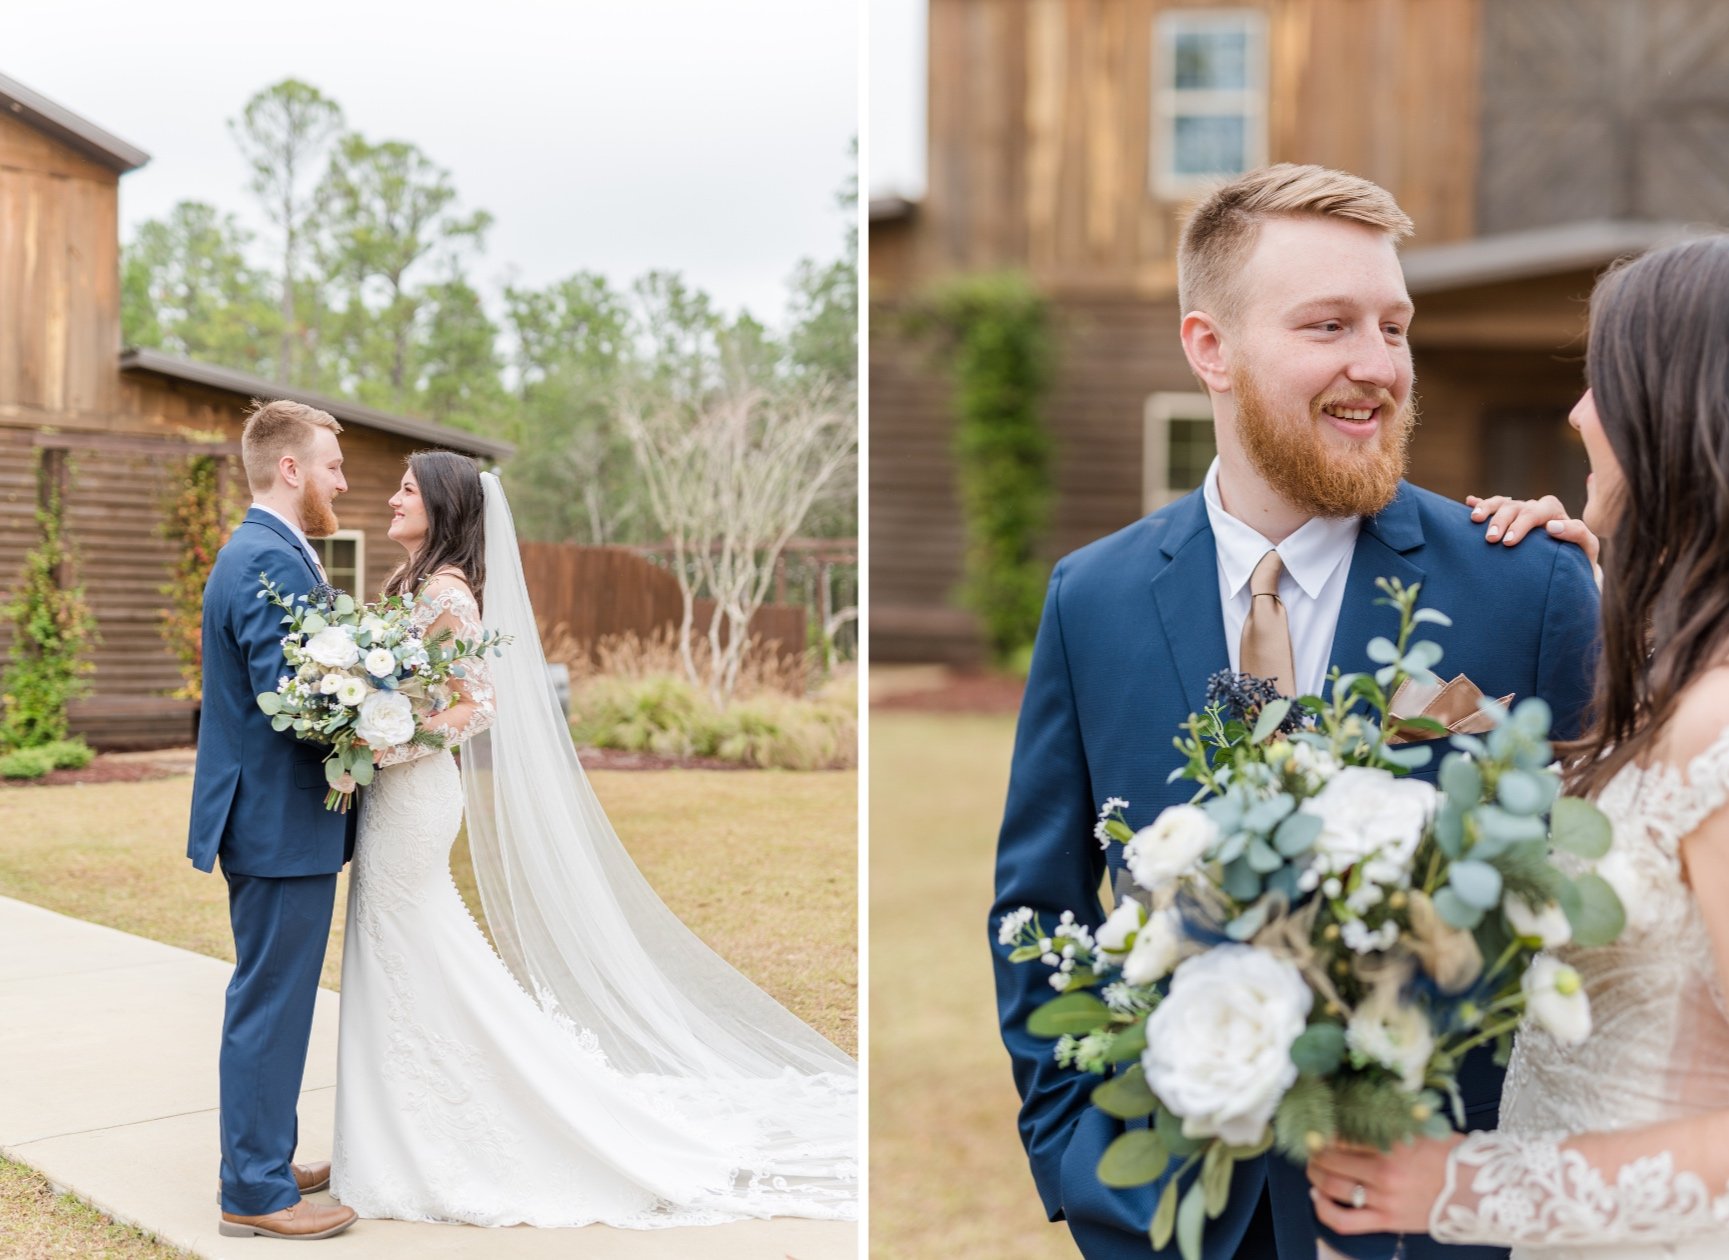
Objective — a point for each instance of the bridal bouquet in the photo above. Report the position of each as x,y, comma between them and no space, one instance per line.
1309,949
361,678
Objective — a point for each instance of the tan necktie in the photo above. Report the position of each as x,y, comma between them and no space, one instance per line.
1266,648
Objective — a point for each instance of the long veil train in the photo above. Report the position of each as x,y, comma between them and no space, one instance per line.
583,932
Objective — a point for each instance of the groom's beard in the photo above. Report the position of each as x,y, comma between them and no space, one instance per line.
317,516
1295,458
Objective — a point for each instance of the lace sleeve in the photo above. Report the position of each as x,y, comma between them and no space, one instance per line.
446,603
1512,1190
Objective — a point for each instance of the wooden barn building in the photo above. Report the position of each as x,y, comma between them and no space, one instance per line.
113,426
1532,141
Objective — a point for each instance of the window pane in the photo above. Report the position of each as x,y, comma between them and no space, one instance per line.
1189,452
1210,144
340,557
1212,59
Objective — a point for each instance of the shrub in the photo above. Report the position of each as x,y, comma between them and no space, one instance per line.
26,763
52,633
69,754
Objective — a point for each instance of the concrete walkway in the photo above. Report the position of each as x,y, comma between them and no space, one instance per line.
108,1087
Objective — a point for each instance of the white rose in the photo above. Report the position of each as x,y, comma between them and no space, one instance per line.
1117,932
352,691
1393,1034
380,663
329,683
332,648
1155,952
386,718
1365,811
1219,1046
1173,845
1317,763
1548,925
1555,997
376,627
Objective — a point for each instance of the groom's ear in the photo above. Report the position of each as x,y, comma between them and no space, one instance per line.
1204,346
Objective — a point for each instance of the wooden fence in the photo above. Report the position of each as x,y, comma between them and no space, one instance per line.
590,593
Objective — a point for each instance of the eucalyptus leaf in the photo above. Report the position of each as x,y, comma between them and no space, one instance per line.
1268,722
1126,1095
1191,1219
1450,828
1247,923
1069,1013
1134,1159
1477,883
1456,911
1520,792
1216,1168
344,606
1241,880
281,722
270,702
1267,814
1297,834
1128,1044
1423,656
1580,828
333,770
1319,1049
1170,1128
1533,717
1263,859
1594,911
1430,615
363,770
1382,650
1165,1218
1408,756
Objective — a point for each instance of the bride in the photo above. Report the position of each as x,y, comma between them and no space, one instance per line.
603,1065
1620,1146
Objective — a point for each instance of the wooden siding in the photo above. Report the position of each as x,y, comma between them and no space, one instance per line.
585,594
1611,109
1040,127
59,280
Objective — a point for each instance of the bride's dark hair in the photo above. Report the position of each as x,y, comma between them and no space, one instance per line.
1658,367
455,523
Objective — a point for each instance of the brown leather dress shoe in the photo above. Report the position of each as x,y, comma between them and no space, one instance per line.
301,1223
311,1178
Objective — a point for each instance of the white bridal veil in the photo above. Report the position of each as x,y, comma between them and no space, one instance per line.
582,930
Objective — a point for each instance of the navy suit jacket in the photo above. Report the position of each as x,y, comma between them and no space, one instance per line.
257,793
1132,628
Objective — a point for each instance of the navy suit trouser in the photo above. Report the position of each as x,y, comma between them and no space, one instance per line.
280,930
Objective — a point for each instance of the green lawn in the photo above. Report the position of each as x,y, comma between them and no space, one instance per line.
761,864
948,1177
38,1224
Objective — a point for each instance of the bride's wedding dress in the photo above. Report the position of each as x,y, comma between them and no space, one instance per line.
1658,1051
603,1065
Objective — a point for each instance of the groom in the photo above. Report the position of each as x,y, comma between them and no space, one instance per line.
258,806
1296,322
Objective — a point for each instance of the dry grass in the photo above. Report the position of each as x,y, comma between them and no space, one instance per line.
38,1224
762,866
948,1176
636,656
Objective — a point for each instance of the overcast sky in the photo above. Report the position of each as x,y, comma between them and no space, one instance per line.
897,98
703,136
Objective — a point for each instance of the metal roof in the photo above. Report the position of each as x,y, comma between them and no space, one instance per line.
159,364
68,128
1536,252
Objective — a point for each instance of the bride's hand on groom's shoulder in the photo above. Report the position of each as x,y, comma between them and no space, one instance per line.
1359,1190
1509,520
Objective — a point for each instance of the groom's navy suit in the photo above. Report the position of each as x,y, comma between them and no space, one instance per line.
258,805
1131,630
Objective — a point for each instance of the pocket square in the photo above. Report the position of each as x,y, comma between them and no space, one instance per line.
1456,705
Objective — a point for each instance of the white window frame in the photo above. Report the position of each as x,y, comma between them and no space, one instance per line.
358,537
1159,411
1170,102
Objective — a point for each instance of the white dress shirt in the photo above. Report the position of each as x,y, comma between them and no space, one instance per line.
1317,560
305,545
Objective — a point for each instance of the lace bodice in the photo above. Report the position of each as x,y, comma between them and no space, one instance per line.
445,602
1658,1052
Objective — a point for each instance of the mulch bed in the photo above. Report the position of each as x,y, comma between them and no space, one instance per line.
960,693
132,768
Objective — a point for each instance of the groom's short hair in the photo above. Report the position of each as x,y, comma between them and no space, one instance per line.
274,429
1222,229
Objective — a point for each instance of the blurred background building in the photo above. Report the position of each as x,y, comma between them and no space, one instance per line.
1532,141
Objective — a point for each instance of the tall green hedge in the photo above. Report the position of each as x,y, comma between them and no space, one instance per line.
1001,357
53,631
